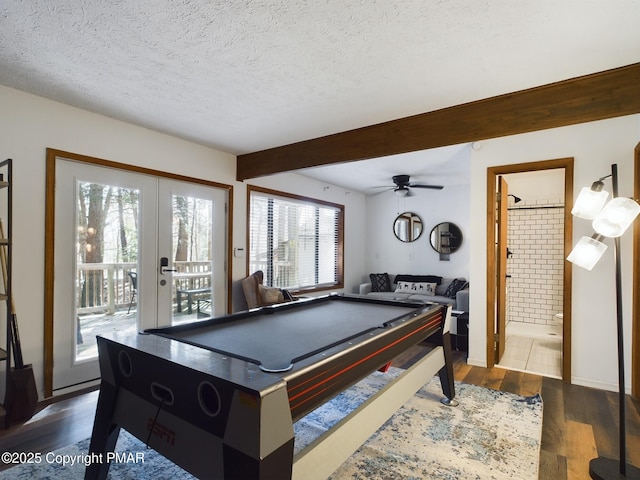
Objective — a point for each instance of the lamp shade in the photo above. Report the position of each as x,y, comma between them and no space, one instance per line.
589,203
587,253
616,217
402,191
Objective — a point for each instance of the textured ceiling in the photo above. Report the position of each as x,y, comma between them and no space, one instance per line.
445,166
246,75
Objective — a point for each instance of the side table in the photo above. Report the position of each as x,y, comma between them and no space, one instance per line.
461,338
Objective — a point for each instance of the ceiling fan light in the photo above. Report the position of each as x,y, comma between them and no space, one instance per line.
401,191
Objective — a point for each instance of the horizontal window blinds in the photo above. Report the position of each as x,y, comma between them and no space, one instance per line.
294,242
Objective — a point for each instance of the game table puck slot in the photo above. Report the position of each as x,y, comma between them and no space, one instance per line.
161,393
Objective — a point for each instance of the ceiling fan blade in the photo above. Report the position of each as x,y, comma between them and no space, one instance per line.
403,186
386,189
433,187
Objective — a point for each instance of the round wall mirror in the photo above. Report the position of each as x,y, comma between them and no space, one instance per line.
407,227
446,237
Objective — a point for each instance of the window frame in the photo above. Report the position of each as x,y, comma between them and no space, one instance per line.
339,278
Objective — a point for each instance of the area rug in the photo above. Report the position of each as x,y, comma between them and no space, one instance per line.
490,435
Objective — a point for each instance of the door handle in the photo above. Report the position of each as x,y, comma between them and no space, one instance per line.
164,263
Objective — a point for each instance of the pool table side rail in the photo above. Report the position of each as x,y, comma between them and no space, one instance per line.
313,381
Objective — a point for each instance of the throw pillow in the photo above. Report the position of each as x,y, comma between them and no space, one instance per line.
380,282
454,287
416,288
419,278
270,295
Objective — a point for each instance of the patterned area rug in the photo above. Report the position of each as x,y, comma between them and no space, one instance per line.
490,435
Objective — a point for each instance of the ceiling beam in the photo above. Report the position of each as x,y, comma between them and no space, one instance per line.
597,96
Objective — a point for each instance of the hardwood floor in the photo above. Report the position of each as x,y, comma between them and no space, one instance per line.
579,423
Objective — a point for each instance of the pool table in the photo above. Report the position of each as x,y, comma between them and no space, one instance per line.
219,397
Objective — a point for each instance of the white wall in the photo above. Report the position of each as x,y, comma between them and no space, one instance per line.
536,265
594,146
30,124
538,185
385,253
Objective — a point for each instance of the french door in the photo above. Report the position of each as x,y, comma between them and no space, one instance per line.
132,251
188,285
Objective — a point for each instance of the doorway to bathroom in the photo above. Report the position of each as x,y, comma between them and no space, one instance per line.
534,272
529,233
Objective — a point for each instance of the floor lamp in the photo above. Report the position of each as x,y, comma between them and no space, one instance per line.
611,221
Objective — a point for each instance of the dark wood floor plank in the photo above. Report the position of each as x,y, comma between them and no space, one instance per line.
581,448
531,384
601,413
575,406
633,449
553,432
633,416
461,369
514,383
494,378
474,376
552,466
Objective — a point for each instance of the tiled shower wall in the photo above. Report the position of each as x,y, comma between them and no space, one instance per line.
535,236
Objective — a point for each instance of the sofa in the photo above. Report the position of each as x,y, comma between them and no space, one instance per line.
422,288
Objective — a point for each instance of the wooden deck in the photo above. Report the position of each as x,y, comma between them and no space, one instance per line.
94,324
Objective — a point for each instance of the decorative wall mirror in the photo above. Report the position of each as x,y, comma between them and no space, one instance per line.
446,237
407,227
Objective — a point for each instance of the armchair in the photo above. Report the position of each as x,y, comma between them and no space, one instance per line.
257,295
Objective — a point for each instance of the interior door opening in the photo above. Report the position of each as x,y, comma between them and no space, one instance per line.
530,271
528,279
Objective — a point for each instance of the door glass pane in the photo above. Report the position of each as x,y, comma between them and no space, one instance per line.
106,263
192,247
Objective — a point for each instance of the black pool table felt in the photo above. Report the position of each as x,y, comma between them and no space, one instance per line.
277,338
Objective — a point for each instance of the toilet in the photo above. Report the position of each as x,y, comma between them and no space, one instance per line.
559,318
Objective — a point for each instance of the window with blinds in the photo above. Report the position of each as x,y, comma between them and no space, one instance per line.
296,241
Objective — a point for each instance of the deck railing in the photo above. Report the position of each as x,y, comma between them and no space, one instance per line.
106,287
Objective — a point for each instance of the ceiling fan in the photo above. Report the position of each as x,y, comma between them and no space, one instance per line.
403,185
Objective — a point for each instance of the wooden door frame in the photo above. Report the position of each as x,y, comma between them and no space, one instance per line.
635,316
500,323
492,175
49,250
